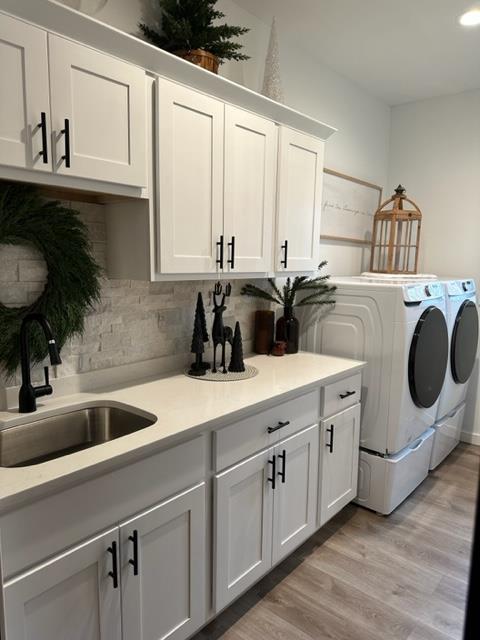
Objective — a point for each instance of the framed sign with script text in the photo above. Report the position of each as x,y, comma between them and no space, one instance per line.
348,207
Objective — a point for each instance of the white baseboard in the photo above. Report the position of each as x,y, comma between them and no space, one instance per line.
471,438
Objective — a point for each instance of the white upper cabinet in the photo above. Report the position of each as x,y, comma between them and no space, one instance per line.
300,181
190,129
24,102
74,596
163,569
98,114
250,174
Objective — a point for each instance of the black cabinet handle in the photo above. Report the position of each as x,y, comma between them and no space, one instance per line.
280,425
66,133
331,431
231,261
114,572
284,248
134,562
347,394
43,126
220,247
273,479
283,458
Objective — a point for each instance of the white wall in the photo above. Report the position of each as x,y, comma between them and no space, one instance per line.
436,154
361,146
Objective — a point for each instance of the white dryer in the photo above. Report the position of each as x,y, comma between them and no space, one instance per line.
399,328
463,330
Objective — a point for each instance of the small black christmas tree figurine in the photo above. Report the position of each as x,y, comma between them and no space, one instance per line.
200,311
236,362
197,368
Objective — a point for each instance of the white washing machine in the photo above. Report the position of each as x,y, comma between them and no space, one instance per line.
463,329
399,328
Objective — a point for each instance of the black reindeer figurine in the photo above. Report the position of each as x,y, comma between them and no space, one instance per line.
220,333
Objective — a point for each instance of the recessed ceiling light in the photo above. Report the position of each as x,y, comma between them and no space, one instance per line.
470,18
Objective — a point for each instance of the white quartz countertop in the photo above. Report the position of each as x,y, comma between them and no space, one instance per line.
181,405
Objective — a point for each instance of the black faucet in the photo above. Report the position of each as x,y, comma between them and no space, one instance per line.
27,398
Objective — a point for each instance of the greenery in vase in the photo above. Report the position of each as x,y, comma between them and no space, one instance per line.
189,24
314,291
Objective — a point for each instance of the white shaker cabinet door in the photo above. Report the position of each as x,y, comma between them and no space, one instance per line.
300,182
98,114
295,495
71,597
339,451
243,526
24,96
190,131
163,569
250,189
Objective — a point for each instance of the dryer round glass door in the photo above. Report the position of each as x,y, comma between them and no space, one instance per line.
464,342
427,362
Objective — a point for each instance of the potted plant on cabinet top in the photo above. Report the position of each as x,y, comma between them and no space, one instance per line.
188,30
316,291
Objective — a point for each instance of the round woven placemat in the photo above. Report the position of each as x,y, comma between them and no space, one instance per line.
250,372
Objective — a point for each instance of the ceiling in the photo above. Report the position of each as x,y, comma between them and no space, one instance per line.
398,50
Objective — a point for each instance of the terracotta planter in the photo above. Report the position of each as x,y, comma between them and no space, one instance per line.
201,58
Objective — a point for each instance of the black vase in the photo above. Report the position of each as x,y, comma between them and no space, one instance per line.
288,330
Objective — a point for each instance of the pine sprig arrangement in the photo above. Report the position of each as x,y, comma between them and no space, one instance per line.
318,291
186,25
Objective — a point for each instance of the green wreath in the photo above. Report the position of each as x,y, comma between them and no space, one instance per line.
73,284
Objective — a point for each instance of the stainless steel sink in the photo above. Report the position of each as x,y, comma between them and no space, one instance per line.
62,434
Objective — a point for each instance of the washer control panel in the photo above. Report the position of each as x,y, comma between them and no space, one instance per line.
423,291
460,287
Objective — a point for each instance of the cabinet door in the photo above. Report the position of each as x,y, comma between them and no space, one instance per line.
339,450
163,569
295,495
71,597
250,174
190,179
243,526
300,183
24,103
98,114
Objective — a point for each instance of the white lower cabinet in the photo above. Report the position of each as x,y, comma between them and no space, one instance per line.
295,499
339,451
265,507
243,526
149,573
74,596
163,569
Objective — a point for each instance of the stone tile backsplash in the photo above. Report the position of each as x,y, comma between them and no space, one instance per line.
134,321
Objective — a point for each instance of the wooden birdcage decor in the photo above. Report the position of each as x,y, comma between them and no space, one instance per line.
396,236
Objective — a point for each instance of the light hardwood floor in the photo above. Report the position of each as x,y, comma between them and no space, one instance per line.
367,577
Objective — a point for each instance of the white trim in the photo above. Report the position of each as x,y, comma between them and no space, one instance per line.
471,438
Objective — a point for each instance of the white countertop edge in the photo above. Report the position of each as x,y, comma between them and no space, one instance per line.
22,485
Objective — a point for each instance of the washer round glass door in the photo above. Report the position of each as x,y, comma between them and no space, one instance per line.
427,362
464,342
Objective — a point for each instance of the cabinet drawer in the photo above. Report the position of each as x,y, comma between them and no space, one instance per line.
340,395
246,437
